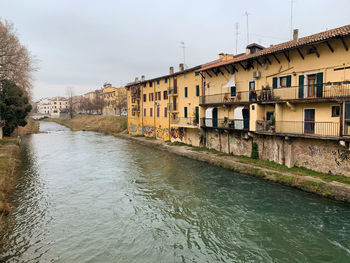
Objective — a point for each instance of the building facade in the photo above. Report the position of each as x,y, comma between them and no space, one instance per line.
291,100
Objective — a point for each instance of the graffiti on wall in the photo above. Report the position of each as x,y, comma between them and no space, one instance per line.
340,156
162,133
148,130
177,133
315,151
132,127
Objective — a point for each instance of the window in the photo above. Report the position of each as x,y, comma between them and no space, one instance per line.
166,80
158,111
165,112
157,81
196,73
186,92
335,111
251,85
233,91
150,83
144,112
150,112
159,95
149,97
185,112
282,82
197,90
165,95
144,97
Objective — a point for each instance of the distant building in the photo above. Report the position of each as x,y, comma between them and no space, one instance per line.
115,102
52,107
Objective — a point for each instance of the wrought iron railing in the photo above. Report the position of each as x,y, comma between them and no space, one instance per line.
241,96
173,107
189,121
225,123
172,91
324,90
327,129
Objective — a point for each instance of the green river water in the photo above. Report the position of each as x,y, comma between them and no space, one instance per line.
86,197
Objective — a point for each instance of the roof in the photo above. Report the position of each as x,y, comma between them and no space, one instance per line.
164,76
312,39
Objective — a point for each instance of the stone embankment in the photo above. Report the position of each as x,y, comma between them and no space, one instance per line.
331,186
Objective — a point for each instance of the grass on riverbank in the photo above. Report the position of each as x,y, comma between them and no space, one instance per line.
98,123
31,128
9,160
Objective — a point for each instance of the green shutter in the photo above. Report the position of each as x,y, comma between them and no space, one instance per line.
274,83
197,90
301,86
233,91
289,81
185,92
319,85
347,111
185,112
197,115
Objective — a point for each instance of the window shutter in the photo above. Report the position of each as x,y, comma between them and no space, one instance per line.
289,81
347,111
319,85
274,83
185,112
197,90
301,86
233,91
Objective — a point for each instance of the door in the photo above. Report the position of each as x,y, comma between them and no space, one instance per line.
175,85
245,113
311,85
215,117
174,104
309,121
252,92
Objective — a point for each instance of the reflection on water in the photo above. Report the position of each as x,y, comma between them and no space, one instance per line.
85,197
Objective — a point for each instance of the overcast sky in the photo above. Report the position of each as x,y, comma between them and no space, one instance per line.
82,44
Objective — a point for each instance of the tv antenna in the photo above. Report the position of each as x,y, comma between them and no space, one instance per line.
183,50
247,15
236,32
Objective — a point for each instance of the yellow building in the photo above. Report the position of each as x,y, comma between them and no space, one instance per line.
166,107
114,100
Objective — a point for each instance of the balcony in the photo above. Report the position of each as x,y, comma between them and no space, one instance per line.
173,107
190,122
306,128
135,108
225,123
329,90
172,91
241,97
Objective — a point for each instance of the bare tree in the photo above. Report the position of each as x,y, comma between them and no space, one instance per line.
16,63
69,91
121,100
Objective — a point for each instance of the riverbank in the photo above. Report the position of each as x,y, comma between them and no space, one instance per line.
32,127
9,161
98,123
331,186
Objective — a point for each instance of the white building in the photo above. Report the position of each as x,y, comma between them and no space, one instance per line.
52,107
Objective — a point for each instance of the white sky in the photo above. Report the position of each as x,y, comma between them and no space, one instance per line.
84,43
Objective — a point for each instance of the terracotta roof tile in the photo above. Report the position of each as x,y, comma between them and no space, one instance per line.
318,37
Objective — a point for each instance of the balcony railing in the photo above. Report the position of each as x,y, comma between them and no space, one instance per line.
316,91
241,96
225,123
136,108
326,129
172,91
173,107
183,121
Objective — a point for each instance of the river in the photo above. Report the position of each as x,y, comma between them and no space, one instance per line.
87,197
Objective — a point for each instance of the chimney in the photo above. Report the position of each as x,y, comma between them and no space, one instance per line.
181,67
143,78
295,35
136,79
171,70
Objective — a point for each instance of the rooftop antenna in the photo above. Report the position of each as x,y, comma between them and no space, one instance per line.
247,15
291,19
183,49
236,26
